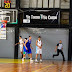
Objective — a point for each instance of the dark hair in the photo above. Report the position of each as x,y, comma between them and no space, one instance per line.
29,36
21,36
26,38
39,36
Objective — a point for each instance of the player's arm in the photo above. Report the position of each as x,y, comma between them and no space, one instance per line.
17,43
25,44
41,44
36,44
31,46
56,49
62,47
23,40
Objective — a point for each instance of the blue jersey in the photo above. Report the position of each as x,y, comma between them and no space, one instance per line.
24,47
28,44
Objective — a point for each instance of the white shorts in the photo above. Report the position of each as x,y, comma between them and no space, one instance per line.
21,48
38,51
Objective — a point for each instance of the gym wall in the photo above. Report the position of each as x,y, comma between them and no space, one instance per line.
65,4
7,46
50,38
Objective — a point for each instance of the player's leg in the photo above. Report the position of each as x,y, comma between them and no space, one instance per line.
40,55
36,58
37,52
21,50
63,55
24,53
56,54
30,52
24,56
29,56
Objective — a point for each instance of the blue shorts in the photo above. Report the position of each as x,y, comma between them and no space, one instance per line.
24,50
29,51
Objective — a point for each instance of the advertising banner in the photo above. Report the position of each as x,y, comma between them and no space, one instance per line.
41,17
2,30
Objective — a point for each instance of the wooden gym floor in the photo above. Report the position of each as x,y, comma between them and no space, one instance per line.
16,65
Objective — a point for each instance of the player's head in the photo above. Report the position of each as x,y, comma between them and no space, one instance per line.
60,41
39,38
20,37
30,37
25,39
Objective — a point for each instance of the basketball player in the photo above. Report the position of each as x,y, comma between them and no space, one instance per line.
59,49
38,49
24,50
29,47
20,44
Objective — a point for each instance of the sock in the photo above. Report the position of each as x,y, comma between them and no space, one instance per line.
30,58
35,59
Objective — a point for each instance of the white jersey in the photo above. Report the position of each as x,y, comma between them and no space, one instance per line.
38,50
21,41
60,46
21,44
39,43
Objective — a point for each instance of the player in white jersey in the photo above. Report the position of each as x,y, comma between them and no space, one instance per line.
38,49
20,44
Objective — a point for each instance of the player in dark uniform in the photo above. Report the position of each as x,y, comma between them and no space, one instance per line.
59,49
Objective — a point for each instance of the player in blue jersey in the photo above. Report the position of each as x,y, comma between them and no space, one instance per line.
24,50
29,47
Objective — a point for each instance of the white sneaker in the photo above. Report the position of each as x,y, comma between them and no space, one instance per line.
31,60
36,60
22,59
40,60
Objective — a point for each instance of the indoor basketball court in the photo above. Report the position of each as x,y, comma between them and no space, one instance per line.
13,65
35,36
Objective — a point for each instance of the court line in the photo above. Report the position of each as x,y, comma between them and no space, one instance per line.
43,68
12,61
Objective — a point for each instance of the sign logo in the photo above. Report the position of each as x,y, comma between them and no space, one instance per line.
7,3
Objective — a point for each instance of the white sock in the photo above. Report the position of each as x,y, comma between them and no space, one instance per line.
40,59
35,59
30,58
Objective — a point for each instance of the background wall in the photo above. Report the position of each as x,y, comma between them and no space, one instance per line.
7,46
44,4
50,37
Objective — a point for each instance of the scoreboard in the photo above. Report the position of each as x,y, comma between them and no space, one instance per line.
7,3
